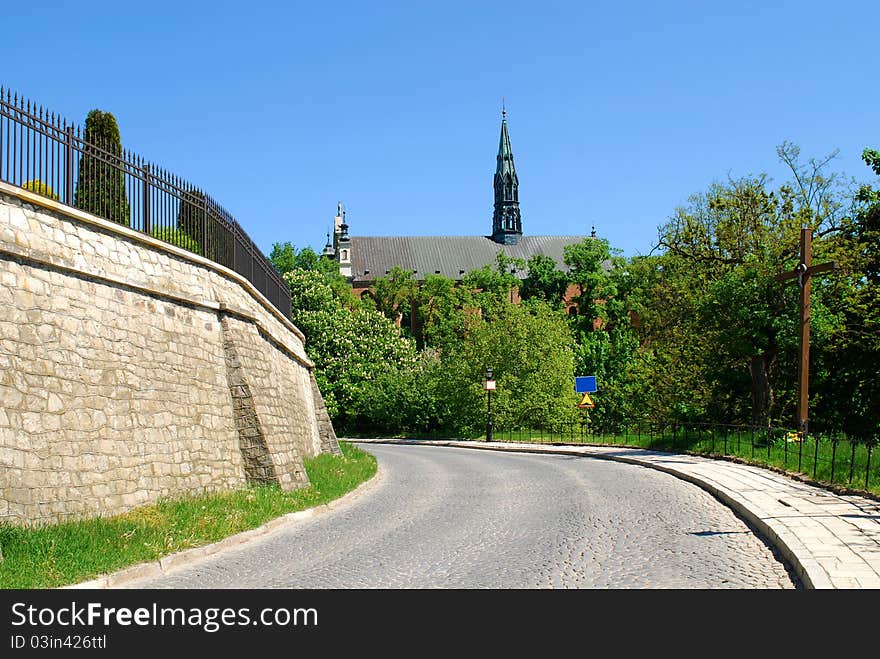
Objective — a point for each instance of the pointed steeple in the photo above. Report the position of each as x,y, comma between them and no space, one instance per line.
506,221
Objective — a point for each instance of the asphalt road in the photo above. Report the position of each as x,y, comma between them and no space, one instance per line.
461,518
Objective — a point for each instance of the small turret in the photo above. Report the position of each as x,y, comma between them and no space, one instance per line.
328,248
343,248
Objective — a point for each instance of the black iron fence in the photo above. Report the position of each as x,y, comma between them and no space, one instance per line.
46,154
827,458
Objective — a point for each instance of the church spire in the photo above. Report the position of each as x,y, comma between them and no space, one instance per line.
506,221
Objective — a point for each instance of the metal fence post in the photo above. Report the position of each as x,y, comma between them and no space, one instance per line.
868,465
204,244
833,456
801,447
852,460
785,452
146,170
68,166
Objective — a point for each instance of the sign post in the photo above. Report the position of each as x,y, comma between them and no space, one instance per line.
585,384
489,386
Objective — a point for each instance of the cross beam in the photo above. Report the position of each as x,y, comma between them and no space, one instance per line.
804,272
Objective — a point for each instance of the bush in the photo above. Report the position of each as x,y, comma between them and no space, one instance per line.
40,188
176,237
191,221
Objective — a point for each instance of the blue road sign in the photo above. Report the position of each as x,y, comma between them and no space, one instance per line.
585,384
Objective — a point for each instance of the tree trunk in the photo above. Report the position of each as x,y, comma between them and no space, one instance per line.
761,372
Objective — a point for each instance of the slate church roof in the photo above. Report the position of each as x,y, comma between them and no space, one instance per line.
450,256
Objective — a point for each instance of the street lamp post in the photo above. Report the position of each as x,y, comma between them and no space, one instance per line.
490,385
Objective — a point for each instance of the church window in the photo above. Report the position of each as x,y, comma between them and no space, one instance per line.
344,256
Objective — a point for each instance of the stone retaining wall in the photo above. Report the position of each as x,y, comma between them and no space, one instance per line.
131,370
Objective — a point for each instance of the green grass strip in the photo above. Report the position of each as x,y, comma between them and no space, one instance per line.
54,555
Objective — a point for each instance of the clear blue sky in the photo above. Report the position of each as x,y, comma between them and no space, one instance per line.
618,111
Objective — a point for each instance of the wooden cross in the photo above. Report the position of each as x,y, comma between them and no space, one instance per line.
804,272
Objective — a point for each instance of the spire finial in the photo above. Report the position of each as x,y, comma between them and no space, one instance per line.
503,110
593,232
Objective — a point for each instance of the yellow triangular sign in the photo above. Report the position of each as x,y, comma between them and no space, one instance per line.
586,402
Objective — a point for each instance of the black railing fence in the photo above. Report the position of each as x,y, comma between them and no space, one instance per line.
831,459
46,154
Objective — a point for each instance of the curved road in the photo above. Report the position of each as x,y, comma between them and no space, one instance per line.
463,518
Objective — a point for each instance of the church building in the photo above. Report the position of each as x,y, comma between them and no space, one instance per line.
364,258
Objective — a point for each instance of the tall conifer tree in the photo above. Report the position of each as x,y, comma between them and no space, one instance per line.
100,188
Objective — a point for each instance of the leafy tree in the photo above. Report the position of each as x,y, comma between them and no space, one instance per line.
853,387
286,258
529,347
440,311
589,263
100,187
604,339
728,244
395,293
491,287
544,281
403,401
350,347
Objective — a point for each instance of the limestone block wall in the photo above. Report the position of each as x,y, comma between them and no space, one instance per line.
131,369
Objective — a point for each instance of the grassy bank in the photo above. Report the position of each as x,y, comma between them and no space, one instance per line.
61,554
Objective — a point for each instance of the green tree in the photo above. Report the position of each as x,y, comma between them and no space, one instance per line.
529,347
544,281
721,254
440,311
590,262
853,388
350,347
605,342
491,287
100,186
395,293
286,258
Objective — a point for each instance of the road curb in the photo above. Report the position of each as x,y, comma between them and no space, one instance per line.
171,562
